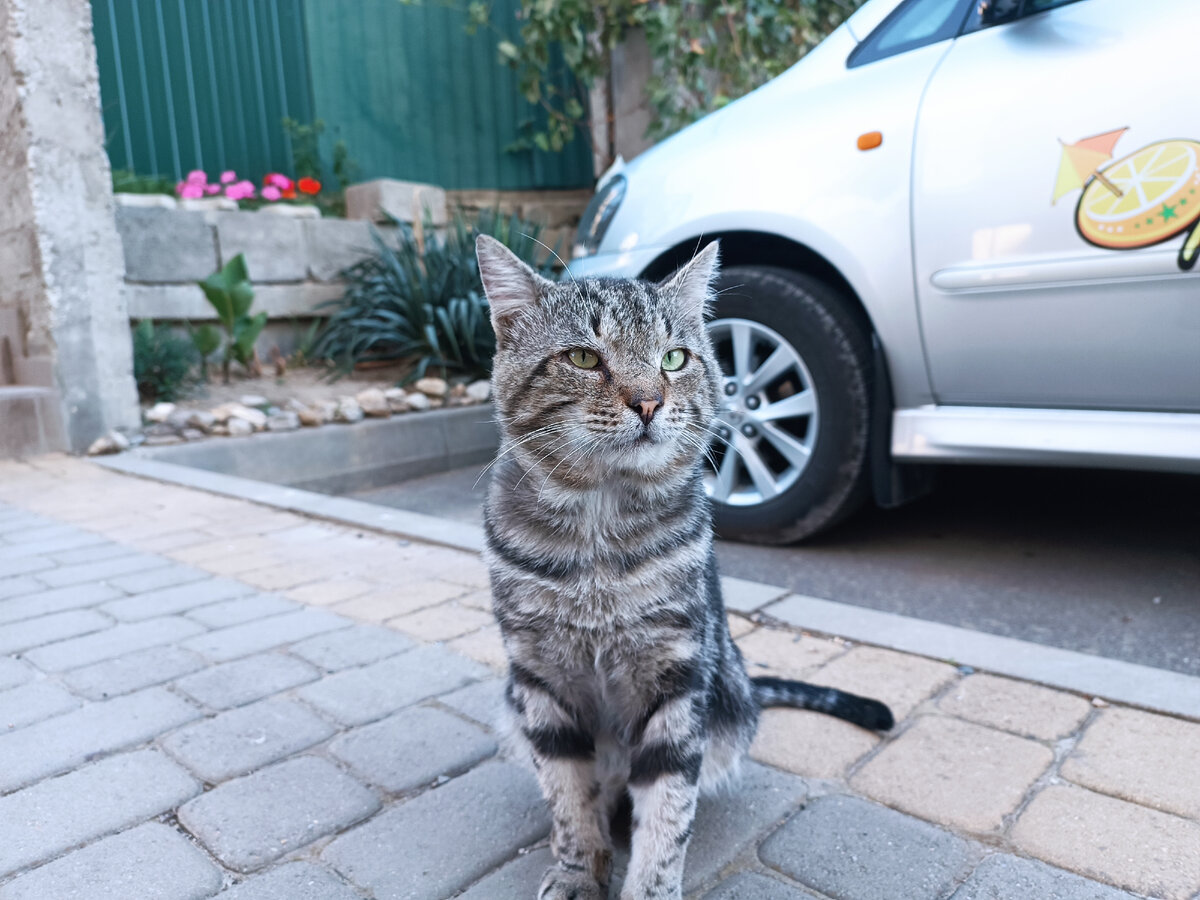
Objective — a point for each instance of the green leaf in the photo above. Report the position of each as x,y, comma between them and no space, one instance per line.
207,339
242,295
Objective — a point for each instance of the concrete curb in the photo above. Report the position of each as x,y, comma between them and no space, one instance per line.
1094,676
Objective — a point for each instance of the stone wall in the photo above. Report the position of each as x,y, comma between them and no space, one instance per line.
63,322
293,263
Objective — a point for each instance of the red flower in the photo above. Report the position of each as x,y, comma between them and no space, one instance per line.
309,186
289,194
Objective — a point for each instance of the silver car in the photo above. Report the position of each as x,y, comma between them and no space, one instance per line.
958,231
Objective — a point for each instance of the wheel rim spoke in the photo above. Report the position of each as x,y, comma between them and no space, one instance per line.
776,364
789,447
759,472
726,476
802,404
740,337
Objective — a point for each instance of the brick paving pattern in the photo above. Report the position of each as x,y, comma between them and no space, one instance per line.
201,697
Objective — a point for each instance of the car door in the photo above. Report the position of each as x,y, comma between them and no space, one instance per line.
1056,191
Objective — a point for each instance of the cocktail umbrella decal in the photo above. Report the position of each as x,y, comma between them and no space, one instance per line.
1081,161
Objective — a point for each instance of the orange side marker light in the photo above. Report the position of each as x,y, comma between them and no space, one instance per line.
870,140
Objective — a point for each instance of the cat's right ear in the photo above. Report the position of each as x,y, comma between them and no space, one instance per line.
510,285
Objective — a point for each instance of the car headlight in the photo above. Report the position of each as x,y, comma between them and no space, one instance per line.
598,216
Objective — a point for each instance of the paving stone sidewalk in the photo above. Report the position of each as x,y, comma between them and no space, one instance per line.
203,697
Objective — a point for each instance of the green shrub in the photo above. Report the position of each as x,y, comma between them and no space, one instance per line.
126,181
231,294
163,362
423,304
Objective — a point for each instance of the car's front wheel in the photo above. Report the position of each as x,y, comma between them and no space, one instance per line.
790,451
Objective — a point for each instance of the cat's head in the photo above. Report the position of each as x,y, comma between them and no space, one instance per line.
602,374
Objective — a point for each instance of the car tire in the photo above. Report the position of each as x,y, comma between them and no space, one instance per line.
831,338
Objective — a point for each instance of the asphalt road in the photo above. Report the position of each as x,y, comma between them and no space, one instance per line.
1100,562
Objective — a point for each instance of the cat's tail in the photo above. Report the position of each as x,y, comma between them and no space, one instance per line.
861,711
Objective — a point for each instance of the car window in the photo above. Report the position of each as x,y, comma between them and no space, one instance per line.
913,24
986,13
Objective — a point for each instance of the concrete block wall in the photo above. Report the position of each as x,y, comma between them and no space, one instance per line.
294,263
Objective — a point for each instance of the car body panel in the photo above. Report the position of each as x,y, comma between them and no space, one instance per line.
1003,273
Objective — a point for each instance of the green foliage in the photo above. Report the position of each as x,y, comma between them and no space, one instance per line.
162,362
423,304
706,53
126,181
305,140
231,294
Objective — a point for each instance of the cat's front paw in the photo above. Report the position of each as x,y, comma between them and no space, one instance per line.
568,884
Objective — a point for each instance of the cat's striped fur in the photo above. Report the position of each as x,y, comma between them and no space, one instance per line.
623,674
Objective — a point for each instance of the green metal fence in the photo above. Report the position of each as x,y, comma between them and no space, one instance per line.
206,84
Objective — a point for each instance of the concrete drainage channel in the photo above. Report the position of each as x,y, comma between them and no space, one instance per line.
336,459
303,471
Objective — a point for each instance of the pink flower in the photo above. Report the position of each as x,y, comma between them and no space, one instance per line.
282,182
191,191
228,177
197,176
241,190
272,193
211,189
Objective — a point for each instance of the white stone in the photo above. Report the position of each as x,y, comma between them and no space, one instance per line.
255,400
239,428
160,201
385,199
348,411
432,387
479,391
397,399
208,204
374,403
160,412
201,420
255,417
286,420
113,442
418,402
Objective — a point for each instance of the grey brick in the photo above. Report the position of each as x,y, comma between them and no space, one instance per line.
482,701
248,822
355,646
42,604
728,824
178,599
33,702
848,847
274,245
116,641
99,571
1004,877
30,633
412,748
245,609
263,634
166,245
18,585
69,540
444,839
156,579
58,744
13,672
332,245
358,696
132,672
235,742
752,886
518,879
294,881
42,821
245,680
43,531
150,862
23,565
93,553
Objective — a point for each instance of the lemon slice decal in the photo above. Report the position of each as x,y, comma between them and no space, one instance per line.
1145,198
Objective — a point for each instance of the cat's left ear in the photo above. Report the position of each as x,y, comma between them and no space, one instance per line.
691,286
510,285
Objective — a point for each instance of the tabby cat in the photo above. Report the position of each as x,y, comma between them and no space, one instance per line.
622,672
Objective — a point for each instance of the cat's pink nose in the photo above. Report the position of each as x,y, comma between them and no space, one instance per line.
645,407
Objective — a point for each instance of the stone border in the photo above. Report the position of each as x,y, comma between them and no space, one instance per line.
1094,676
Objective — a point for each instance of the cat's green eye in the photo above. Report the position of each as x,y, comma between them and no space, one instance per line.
584,359
674,360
